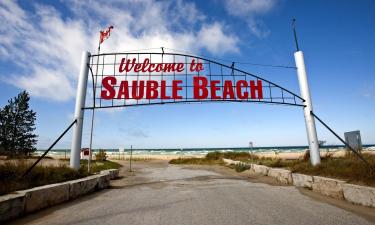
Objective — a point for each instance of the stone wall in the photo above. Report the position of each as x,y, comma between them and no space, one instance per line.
27,201
334,188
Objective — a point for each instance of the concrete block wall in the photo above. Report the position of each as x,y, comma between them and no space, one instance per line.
356,194
27,201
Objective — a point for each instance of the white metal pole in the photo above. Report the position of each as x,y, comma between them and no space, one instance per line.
309,119
75,154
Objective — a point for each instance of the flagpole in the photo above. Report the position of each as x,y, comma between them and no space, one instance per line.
93,110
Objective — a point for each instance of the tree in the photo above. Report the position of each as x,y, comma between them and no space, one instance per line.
17,126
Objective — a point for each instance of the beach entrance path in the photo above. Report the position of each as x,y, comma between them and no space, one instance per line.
158,193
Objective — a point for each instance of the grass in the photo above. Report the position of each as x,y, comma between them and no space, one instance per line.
197,161
215,158
348,168
100,165
11,174
240,156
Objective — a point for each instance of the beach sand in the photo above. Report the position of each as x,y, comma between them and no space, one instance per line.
62,159
280,155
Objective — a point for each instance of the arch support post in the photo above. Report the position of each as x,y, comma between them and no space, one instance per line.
309,118
75,153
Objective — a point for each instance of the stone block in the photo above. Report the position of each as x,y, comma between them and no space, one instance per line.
302,180
104,180
281,175
11,206
329,187
83,186
359,194
44,196
114,173
260,169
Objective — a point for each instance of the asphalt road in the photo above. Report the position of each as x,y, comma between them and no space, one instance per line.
167,194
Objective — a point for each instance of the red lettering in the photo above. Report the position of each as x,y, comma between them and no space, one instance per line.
145,64
159,67
214,89
176,88
200,84
138,88
109,91
137,67
151,68
192,65
121,69
228,90
123,90
239,86
256,88
180,67
152,89
164,90
127,69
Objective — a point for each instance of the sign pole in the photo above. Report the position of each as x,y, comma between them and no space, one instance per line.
305,94
93,112
79,112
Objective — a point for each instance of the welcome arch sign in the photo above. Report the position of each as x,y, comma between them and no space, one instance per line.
140,79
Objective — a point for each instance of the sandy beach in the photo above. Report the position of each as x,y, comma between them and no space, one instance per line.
280,155
62,159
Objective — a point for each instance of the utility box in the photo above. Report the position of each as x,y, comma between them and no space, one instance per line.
353,138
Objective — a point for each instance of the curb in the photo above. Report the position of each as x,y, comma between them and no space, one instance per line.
356,194
27,201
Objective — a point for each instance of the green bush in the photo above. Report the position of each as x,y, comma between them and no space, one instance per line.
240,167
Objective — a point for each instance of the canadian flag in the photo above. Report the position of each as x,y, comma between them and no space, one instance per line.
105,34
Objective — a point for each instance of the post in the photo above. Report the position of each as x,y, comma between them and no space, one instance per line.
79,112
309,119
131,156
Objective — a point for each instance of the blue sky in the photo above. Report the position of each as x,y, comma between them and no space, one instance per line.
41,45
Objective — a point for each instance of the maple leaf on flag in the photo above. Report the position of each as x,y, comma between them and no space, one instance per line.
105,34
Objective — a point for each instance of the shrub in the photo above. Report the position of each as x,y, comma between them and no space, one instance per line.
240,167
306,156
101,155
214,155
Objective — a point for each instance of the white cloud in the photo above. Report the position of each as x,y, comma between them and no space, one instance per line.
249,10
46,46
217,42
246,7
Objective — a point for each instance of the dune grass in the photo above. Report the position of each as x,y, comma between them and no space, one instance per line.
348,168
197,161
11,174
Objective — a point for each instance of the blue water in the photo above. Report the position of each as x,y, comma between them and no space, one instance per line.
203,151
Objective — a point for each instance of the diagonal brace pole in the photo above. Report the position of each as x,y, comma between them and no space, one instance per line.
45,153
344,142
